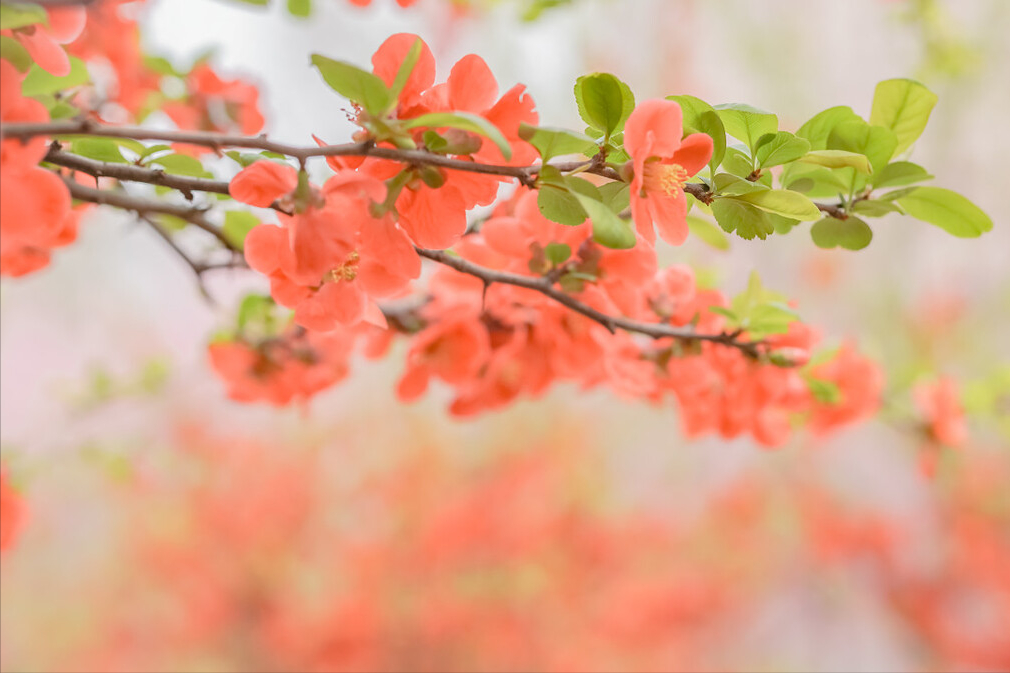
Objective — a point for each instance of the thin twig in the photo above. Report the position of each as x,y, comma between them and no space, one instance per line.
546,287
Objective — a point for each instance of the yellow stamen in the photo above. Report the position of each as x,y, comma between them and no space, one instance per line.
347,271
663,178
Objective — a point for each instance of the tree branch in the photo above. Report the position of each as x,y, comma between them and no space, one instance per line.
546,287
191,214
524,174
540,284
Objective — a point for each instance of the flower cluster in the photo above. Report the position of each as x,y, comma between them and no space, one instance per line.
292,366
35,206
330,259
495,344
12,512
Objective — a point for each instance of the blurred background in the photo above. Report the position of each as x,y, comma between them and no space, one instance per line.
171,529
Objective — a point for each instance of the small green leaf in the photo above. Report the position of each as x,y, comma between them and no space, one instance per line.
707,232
609,230
21,14
747,123
825,392
742,218
770,318
900,173
354,84
819,127
39,82
557,204
838,159
162,66
180,164
903,106
604,101
782,148
616,195
11,50
876,208
948,210
782,202
876,142
557,253
738,163
851,234
100,149
734,185
552,142
700,117
466,122
300,8
237,225
813,180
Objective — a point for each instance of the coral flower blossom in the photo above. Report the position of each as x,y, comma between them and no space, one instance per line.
663,162
44,42
12,512
938,403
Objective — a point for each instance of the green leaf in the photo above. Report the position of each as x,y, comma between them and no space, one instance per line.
557,204
819,127
707,232
851,234
700,117
616,195
742,218
747,123
355,84
813,180
838,159
11,50
609,230
100,149
782,148
39,82
255,309
876,142
876,207
733,185
903,106
557,253
948,210
552,142
406,67
162,66
300,8
180,164
21,14
900,173
825,392
237,225
783,225
770,318
466,122
604,101
782,202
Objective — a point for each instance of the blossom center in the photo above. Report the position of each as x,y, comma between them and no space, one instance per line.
668,179
347,271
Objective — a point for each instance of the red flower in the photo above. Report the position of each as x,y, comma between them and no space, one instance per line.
663,162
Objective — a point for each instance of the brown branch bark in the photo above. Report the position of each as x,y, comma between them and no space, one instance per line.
546,287
524,174
192,214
